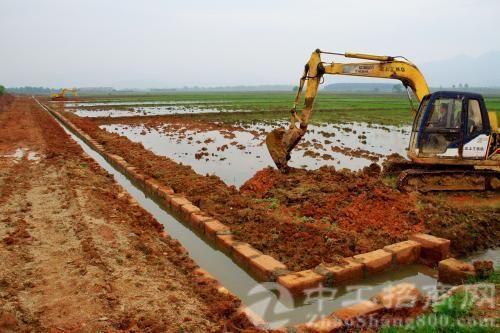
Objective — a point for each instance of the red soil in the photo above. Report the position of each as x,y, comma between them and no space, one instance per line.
357,203
77,256
260,183
5,101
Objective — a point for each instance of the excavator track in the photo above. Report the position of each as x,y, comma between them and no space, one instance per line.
448,180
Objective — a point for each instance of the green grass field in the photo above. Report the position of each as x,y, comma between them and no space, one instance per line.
387,109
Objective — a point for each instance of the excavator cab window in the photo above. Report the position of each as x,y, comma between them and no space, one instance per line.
443,126
446,113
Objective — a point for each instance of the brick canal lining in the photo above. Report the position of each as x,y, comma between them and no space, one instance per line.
236,280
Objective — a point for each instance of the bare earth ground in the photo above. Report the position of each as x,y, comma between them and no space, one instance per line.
75,255
306,218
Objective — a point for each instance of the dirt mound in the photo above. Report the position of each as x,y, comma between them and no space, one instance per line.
471,225
359,204
261,182
365,207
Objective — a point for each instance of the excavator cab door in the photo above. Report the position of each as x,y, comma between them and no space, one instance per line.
477,129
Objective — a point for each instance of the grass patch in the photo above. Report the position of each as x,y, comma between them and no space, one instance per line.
273,202
390,181
455,306
494,278
306,219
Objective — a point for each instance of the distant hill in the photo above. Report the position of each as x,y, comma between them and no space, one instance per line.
96,90
481,71
31,90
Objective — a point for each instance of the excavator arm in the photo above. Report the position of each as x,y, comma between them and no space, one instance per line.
280,142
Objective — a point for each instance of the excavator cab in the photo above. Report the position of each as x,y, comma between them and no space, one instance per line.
450,125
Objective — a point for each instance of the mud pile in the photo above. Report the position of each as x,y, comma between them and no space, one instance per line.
357,204
366,205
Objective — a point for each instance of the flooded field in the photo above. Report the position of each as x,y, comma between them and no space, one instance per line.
86,104
107,110
390,109
229,142
490,254
235,156
142,111
130,108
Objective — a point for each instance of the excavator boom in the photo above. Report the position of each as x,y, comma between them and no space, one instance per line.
280,142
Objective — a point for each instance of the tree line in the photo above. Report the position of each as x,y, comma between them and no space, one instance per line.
30,90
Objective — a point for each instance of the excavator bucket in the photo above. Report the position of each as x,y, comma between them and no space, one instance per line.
276,148
280,143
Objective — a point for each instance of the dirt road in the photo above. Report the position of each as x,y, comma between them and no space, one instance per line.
76,256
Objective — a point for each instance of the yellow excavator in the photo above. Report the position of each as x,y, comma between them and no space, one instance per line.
61,96
454,143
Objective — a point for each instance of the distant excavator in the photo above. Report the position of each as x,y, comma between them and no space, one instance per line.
454,143
61,96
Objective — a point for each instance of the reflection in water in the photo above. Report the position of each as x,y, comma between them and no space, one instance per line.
111,104
236,158
141,111
491,255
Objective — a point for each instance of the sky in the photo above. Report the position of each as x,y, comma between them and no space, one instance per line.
167,44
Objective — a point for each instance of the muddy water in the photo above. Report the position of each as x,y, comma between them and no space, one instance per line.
142,103
138,108
491,255
141,111
236,157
